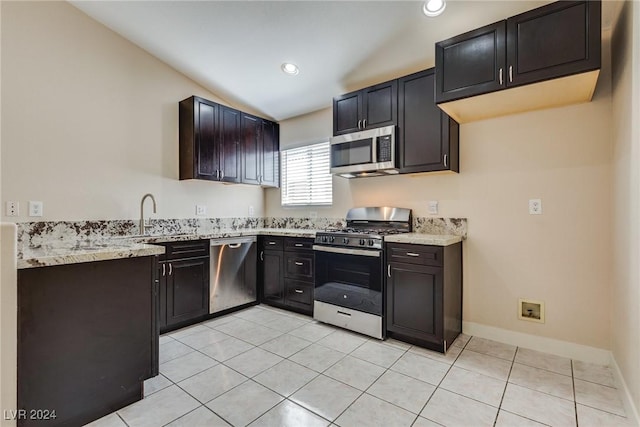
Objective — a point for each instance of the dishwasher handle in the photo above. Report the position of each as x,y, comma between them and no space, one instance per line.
233,241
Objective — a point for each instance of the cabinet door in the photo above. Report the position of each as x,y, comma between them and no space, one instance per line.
347,113
162,297
471,64
251,149
556,40
187,289
380,105
230,148
426,141
199,153
272,276
270,170
415,302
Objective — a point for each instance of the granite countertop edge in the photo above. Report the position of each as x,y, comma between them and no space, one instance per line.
78,251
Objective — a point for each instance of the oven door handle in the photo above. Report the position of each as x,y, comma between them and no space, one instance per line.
347,251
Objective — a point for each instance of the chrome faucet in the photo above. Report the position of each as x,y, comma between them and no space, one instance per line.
143,225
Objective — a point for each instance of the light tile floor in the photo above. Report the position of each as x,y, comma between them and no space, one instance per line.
268,367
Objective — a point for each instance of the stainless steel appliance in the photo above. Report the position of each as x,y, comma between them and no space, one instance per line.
233,273
349,269
366,153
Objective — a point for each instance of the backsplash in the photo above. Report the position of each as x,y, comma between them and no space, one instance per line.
36,233
430,225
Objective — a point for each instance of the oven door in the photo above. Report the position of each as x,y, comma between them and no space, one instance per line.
350,278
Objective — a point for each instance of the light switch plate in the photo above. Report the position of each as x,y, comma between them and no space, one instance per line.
35,208
535,206
251,211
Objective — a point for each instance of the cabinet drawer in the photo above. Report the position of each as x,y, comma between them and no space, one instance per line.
297,243
300,292
298,266
189,249
415,254
272,243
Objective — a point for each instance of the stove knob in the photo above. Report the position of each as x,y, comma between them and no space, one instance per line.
332,239
345,241
370,242
362,242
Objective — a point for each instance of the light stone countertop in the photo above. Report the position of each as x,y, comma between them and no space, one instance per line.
424,239
74,252
61,252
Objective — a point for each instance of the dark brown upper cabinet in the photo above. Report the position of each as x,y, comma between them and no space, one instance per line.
469,64
427,137
199,148
230,145
219,143
557,40
261,147
556,46
372,107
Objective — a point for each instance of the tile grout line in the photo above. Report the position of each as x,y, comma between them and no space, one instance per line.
363,392
443,377
506,383
575,403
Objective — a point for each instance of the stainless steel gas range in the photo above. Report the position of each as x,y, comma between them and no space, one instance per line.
349,264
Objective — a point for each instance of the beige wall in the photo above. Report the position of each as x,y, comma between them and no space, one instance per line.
626,198
90,123
562,257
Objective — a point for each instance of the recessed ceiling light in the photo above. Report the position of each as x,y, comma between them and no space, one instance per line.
290,68
434,7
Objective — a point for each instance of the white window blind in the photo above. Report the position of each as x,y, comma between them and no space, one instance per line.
306,179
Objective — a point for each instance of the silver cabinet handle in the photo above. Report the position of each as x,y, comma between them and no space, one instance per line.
164,268
221,175
359,124
389,270
299,291
364,124
412,254
445,160
510,73
500,76
271,243
234,245
298,245
170,269
261,255
299,263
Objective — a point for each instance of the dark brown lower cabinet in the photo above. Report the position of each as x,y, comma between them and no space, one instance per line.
184,284
286,278
87,339
424,294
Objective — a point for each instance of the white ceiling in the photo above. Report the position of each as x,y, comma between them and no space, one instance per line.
235,48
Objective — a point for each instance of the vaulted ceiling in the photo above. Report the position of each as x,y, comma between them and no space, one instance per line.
235,48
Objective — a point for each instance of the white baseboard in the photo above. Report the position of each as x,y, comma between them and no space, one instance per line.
629,406
568,349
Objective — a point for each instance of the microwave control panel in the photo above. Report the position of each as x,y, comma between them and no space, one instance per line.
384,148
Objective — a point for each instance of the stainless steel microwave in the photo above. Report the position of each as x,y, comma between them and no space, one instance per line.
365,153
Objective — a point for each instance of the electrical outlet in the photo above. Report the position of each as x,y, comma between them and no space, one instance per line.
13,208
251,211
35,208
535,206
433,207
201,210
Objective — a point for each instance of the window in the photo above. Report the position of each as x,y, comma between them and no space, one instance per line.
305,176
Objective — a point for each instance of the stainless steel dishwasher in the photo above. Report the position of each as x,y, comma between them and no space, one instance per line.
233,273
